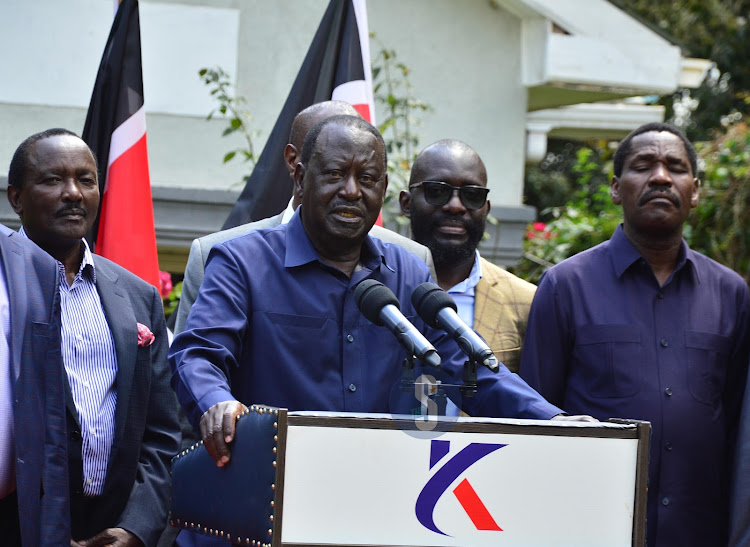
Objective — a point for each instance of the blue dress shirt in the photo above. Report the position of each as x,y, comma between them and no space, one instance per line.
605,339
273,324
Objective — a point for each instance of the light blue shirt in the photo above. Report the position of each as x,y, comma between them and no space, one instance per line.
463,294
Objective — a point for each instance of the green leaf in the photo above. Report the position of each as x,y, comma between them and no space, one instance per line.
229,155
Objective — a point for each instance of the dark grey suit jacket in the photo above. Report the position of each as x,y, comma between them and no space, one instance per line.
38,391
136,489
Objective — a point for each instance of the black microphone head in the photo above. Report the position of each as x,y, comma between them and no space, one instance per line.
428,299
372,296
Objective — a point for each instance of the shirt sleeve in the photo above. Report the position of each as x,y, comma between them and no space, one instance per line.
500,394
203,355
546,348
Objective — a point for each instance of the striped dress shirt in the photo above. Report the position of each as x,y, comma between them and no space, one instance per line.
88,351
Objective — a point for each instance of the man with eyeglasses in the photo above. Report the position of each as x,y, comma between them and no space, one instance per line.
447,204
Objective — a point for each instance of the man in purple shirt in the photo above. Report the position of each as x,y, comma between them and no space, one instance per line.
643,327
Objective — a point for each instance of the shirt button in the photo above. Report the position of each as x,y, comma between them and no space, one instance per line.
668,392
665,501
668,445
352,388
660,295
664,342
89,481
349,338
92,430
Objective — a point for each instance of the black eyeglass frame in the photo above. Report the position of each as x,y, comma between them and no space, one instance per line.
460,189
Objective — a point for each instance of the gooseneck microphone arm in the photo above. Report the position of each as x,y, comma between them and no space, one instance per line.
437,309
380,306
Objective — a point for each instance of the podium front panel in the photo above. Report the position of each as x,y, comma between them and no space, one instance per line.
352,480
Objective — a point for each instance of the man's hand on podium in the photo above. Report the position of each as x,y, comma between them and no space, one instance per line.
566,418
217,429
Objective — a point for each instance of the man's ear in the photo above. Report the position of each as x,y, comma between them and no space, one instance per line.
614,191
696,193
14,198
404,200
299,178
291,158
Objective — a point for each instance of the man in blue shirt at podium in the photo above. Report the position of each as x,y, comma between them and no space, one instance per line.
276,323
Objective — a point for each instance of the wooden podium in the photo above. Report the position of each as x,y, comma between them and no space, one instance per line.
312,478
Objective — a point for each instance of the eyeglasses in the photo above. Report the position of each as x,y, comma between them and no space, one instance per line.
439,193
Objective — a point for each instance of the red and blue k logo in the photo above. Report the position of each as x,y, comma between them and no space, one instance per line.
441,480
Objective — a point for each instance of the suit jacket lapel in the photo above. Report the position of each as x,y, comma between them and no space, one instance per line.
14,264
122,323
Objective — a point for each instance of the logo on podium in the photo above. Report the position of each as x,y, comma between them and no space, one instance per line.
441,480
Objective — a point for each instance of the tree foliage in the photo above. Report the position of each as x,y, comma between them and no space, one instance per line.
709,29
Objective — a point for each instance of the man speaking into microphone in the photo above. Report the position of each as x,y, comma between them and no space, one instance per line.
276,321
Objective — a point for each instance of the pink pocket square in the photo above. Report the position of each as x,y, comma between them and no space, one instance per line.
145,336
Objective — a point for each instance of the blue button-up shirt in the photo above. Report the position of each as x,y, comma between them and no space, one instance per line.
273,324
605,339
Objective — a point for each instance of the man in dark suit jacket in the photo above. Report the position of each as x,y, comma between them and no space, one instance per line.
122,415
36,511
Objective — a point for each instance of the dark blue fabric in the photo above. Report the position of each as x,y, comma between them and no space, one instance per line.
604,339
273,325
39,396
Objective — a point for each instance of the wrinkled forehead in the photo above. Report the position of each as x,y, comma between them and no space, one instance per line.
658,144
338,141
61,150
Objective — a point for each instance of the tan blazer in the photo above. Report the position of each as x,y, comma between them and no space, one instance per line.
501,311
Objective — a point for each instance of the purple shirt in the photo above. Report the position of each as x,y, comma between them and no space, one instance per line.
604,339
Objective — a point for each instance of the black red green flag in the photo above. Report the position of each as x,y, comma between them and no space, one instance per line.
337,66
115,129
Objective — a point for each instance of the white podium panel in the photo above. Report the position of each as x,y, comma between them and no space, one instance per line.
376,480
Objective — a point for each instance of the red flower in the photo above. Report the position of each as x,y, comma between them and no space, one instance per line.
165,279
538,230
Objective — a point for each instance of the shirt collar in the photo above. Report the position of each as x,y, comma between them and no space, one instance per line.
624,254
87,264
468,285
288,212
300,250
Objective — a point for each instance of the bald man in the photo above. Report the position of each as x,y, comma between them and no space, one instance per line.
448,206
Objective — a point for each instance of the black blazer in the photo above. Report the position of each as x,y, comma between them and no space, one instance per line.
136,488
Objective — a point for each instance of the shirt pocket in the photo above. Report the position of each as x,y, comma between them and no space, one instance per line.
293,320
608,360
707,354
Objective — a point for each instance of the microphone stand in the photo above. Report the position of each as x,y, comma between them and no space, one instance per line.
469,387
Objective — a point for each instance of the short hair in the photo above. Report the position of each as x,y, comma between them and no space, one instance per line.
344,121
20,161
625,147
301,124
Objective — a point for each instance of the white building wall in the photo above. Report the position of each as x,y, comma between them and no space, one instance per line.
464,56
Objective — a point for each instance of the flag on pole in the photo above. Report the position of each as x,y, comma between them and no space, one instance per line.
115,130
337,66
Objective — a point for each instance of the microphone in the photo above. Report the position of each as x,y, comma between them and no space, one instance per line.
437,309
380,306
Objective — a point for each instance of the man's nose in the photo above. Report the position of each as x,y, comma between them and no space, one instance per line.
71,190
350,189
455,205
660,174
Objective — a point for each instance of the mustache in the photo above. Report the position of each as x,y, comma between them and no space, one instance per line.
651,194
67,209
350,206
